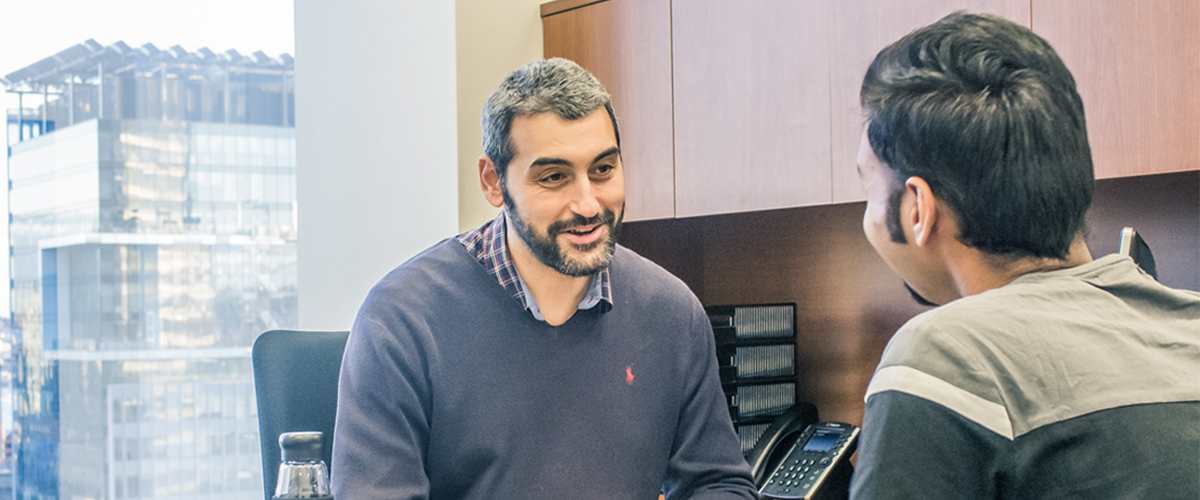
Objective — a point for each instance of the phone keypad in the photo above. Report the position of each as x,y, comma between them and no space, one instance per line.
798,474
801,471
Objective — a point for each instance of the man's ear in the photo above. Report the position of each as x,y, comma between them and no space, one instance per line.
489,181
923,213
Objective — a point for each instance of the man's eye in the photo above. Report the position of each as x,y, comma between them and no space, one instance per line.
553,178
605,169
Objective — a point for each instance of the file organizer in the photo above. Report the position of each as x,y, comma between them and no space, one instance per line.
756,353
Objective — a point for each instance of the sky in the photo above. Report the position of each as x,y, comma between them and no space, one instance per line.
31,30
35,29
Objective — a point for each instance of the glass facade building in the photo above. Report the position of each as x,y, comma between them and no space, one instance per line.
152,233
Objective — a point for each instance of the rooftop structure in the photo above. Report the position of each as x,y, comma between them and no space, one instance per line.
119,82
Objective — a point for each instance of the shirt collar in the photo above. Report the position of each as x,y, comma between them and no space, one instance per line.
489,245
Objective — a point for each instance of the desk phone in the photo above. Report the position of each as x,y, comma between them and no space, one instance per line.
818,459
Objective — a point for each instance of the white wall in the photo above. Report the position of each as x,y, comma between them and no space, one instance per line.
375,144
494,37
382,90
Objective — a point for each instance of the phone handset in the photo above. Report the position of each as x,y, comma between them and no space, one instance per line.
774,442
818,460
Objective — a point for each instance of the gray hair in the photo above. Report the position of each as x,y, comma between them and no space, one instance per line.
552,85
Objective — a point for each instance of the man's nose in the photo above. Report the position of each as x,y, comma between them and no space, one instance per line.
584,201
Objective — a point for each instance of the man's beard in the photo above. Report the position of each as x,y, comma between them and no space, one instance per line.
549,252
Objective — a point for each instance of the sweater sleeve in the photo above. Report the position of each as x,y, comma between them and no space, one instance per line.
706,460
382,429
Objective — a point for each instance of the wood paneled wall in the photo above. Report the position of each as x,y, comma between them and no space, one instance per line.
848,301
1136,64
627,46
751,105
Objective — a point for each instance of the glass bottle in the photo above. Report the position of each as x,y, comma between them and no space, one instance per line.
302,472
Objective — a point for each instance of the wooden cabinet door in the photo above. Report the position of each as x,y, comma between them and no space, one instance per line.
860,29
627,45
1137,65
751,105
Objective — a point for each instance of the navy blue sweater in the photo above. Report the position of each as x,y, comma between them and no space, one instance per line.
451,390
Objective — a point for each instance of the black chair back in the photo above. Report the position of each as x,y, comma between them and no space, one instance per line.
1133,246
295,384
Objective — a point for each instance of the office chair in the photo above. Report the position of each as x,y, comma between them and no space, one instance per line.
1134,247
295,384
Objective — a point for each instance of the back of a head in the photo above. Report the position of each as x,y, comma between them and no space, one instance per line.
985,112
554,85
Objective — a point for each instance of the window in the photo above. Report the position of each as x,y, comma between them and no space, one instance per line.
153,237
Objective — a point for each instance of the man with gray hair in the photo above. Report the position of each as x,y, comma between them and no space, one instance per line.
533,357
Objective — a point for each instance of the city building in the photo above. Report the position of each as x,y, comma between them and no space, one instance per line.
152,238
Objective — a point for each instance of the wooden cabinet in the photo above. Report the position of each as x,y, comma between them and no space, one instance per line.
751,105
1137,65
755,106
627,45
859,30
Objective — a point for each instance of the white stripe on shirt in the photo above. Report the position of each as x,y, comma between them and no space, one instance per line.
991,416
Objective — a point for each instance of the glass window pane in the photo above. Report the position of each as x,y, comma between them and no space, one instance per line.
143,214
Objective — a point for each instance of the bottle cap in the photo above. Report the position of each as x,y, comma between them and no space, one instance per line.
300,446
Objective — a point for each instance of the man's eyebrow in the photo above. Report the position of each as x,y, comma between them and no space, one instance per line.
608,152
549,161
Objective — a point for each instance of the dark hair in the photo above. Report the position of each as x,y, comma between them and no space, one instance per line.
986,113
552,85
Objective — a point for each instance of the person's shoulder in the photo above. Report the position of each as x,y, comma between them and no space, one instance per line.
1119,276
628,261
949,335
957,340
984,312
631,270
443,254
957,314
441,266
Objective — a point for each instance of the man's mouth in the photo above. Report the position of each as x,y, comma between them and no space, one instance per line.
583,235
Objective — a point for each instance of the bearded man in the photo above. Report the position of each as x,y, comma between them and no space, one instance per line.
533,357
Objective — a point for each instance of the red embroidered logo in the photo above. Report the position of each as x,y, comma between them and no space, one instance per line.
629,374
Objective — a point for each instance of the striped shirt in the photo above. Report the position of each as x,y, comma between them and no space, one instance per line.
488,245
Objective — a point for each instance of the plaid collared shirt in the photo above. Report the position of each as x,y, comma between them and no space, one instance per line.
487,243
